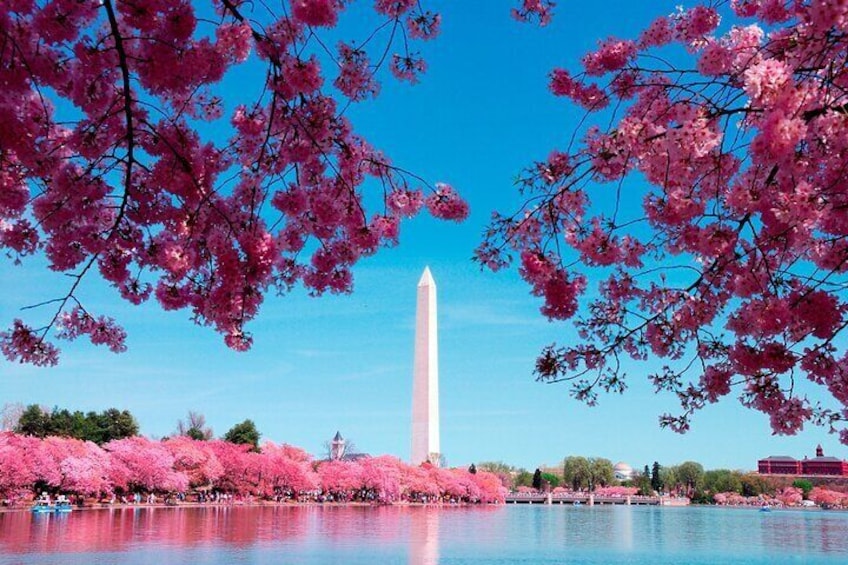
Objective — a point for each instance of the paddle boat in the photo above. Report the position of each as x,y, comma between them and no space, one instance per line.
42,507
765,508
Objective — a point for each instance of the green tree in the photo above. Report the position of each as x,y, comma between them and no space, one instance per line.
60,423
690,475
551,479
33,422
668,478
601,472
497,467
537,479
803,484
576,472
642,481
82,427
244,433
656,481
114,424
722,480
501,469
755,485
523,478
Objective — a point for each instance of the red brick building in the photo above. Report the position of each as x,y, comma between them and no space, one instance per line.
779,465
818,466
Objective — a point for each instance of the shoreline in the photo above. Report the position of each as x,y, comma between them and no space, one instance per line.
194,505
269,504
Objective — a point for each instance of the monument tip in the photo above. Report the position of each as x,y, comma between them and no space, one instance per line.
426,278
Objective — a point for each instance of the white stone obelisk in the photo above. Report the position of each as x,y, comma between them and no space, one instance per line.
425,380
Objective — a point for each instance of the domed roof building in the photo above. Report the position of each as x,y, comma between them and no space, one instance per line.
622,471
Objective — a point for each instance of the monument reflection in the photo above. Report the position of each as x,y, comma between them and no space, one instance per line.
424,536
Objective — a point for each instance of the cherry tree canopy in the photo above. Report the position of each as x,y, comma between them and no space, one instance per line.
277,472
712,204
112,157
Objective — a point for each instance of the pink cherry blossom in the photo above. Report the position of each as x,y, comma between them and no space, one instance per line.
107,170
540,11
709,206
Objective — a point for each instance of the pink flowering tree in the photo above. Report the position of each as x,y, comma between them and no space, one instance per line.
195,459
381,478
237,469
108,164
417,485
286,470
76,466
17,473
137,463
790,496
490,487
826,497
710,206
340,478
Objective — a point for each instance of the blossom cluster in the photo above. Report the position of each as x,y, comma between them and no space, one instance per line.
540,11
106,163
711,210
179,464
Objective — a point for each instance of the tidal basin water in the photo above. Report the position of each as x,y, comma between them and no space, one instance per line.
424,535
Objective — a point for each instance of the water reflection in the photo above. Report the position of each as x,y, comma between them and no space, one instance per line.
422,535
121,529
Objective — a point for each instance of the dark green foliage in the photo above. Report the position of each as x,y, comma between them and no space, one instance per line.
803,484
537,479
197,434
97,427
116,424
33,422
244,433
642,481
690,475
576,472
656,481
551,479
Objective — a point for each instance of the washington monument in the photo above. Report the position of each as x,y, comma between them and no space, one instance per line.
425,380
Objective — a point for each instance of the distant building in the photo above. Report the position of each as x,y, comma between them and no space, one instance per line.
779,465
622,471
339,449
821,465
818,466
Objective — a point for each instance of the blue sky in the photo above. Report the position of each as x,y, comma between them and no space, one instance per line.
481,113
